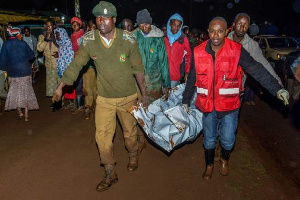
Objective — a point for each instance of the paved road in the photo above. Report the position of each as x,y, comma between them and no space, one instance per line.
54,156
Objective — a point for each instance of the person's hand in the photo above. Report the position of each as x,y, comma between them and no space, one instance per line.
145,101
48,35
34,68
166,92
284,96
185,77
186,107
57,93
55,54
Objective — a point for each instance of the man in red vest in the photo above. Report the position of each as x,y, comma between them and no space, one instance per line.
217,74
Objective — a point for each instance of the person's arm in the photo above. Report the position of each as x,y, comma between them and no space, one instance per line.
188,56
259,73
138,70
164,66
72,72
42,44
258,56
190,85
3,58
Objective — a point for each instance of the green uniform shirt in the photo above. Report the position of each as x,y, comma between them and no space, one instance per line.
115,65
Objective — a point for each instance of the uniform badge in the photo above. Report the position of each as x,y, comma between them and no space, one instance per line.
105,11
122,57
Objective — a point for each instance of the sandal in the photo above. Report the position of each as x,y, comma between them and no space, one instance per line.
26,118
20,115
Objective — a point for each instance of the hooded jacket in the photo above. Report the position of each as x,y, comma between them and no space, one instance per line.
153,51
178,48
252,47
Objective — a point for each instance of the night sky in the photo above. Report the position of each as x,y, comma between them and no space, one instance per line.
281,11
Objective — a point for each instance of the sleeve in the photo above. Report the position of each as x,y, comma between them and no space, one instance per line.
188,55
30,53
34,42
41,45
3,58
136,59
72,71
164,66
258,72
190,84
260,58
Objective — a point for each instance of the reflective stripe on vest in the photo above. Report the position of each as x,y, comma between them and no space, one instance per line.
229,91
202,91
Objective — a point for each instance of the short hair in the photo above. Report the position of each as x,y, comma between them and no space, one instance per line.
91,21
242,15
218,18
26,28
51,21
126,19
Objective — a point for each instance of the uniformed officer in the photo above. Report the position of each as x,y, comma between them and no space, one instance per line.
117,60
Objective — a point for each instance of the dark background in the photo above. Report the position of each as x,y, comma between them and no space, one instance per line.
196,13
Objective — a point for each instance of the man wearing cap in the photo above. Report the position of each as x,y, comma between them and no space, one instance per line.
117,60
152,48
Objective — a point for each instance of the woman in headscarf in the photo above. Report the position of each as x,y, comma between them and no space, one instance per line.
65,52
65,56
21,93
48,45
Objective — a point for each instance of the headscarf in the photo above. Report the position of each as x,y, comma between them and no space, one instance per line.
13,32
66,53
76,19
171,36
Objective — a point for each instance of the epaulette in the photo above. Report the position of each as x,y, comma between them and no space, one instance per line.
129,36
87,37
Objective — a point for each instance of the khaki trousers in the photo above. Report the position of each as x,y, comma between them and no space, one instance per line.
105,120
89,87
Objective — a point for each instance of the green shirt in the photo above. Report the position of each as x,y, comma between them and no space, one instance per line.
116,65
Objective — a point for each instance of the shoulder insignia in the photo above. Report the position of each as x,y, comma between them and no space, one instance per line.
129,36
87,37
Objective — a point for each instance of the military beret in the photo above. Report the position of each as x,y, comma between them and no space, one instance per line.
104,8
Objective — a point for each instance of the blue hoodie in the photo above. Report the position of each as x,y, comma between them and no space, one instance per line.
171,36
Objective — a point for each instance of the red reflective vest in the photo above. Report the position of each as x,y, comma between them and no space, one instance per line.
218,82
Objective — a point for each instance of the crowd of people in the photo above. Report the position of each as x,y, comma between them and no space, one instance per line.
110,69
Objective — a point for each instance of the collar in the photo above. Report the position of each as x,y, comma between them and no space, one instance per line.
110,42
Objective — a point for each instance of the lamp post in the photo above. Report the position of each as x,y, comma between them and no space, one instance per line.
77,8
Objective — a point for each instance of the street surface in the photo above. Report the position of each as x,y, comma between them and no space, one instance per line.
54,156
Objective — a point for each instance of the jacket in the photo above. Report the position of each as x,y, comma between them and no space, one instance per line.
218,82
48,48
153,51
179,50
115,64
246,61
15,58
254,50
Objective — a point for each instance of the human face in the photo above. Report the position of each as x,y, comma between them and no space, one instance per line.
146,28
217,32
241,26
76,26
49,26
105,25
91,26
164,29
26,32
175,26
57,36
127,25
